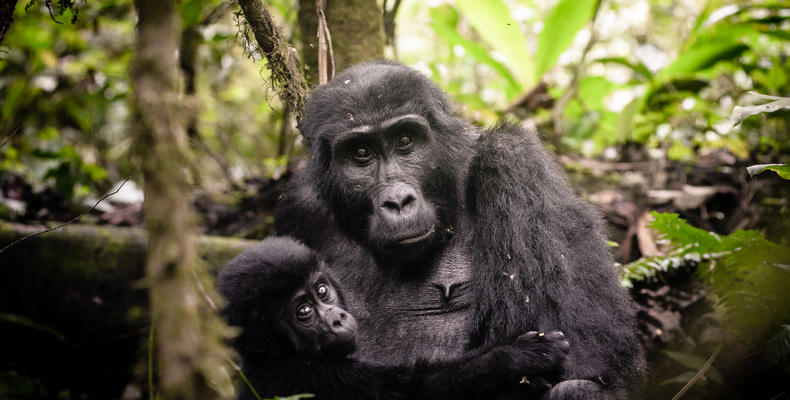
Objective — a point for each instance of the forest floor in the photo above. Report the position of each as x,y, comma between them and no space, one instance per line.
715,194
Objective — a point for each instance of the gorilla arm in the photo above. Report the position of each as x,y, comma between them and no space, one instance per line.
522,366
542,264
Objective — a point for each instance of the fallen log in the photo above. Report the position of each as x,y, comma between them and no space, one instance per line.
74,306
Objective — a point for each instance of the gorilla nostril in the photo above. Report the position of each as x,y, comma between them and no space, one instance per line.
390,206
337,323
409,199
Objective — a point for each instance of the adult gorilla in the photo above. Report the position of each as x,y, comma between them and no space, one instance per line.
448,238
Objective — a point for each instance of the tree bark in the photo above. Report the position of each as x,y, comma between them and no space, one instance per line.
282,60
357,30
6,16
188,333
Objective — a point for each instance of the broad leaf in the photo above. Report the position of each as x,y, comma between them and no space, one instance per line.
563,23
702,56
492,20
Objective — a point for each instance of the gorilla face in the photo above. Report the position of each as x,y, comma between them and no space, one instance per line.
382,168
389,158
316,321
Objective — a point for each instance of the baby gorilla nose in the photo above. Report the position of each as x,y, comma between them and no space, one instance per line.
338,322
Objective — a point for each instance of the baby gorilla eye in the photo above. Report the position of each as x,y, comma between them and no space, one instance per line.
323,291
304,311
404,141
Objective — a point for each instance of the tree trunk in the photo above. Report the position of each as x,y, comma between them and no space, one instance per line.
188,332
357,31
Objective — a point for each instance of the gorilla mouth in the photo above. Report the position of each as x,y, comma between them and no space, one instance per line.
417,238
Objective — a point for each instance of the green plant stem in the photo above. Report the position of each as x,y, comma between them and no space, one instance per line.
701,372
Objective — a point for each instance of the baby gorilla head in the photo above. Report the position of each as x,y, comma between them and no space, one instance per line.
286,302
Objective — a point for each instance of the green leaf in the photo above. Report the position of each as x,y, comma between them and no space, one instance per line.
492,20
783,170
445,28
624,125
639,68
563,23
593,90
702,56
26,322
190,12
778,347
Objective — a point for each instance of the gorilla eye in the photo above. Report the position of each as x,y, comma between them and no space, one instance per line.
323,292
362,154
404,141
304,311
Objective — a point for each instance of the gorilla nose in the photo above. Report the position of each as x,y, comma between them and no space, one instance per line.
340,319
399,199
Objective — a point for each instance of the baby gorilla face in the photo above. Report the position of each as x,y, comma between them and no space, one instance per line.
319,325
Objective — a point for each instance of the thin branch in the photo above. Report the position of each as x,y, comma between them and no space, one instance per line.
328,39
9,137
562,102
324,44
151,391
282,58
701,372
71,221
321,34
389,24
204,292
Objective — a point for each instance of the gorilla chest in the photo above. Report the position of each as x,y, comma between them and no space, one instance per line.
420,318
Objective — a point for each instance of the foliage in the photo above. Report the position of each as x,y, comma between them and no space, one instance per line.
64,98
783,170
662,75
778,347
748,275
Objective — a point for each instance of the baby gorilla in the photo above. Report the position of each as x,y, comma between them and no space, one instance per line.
297,336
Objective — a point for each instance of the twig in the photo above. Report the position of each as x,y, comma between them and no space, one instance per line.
9,137
329,45
701,372
203,291
151,393
324,44
559,106
71,221
389,25
244,378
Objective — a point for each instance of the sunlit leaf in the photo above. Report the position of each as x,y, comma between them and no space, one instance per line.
480,54
639,68
624,124
703,55
783,170
563,23
492,20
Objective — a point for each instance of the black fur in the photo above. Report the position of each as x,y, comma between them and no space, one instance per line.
512,248
280,358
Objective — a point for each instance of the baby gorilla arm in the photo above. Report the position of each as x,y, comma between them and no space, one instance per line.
527,368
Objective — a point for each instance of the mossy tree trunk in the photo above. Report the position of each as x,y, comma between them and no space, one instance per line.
357,31
188,333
